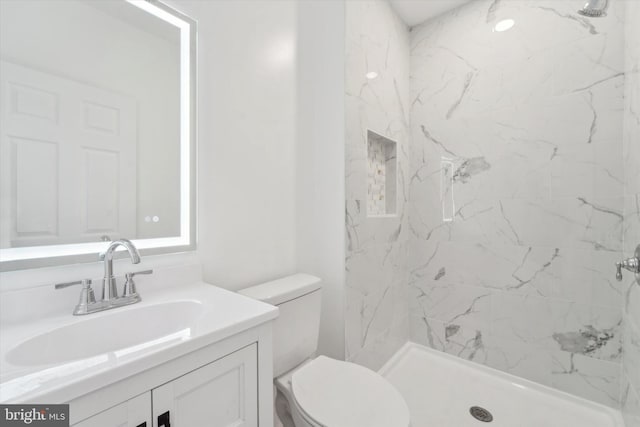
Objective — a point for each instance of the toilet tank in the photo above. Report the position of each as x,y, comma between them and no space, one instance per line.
295,331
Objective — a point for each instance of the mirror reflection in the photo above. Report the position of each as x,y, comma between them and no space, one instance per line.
89,123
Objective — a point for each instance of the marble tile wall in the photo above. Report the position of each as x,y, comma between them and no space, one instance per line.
376,316
522,279
631,236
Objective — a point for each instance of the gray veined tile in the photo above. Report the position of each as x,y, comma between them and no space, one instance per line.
521,318
588,330
630,402
375,354
521,359
467,342
453,304
590,170
586,377
631,223
631,355
539,195
586,276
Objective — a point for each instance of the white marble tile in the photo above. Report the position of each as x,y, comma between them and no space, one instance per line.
631,156
586,377
631,223
518,358
452,304
376,273
354,306
631,355
375,354
532,121
601,55
574,222
593,170
568,222
521,318
369,316
506,169
519,269
632,299
463,341
588,330
586,276
630,402
363,232
376,268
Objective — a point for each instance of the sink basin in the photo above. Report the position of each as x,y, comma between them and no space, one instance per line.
117,330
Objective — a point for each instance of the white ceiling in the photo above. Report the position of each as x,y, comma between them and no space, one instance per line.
414,12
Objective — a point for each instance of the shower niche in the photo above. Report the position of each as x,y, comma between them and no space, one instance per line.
382,162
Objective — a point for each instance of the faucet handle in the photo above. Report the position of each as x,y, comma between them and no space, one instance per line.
135,273
129,289
87,297
84,282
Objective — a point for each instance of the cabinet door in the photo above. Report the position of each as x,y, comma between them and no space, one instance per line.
135,412
220,394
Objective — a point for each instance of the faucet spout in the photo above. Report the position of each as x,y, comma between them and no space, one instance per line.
109,290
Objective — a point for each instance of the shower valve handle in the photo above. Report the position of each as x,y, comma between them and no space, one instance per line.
632,264
619,271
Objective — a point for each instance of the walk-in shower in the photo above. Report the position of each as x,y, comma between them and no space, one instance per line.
518,175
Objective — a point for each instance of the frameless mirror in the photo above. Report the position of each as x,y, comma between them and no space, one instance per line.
96,129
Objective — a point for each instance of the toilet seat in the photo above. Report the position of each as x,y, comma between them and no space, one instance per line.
333,393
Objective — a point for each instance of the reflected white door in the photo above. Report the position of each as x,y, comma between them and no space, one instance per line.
68,160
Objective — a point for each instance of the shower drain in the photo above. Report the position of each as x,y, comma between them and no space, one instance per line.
481,414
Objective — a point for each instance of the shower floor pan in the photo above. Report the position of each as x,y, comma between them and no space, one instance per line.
444,391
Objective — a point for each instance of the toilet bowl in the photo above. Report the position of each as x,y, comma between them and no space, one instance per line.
320,391
325,392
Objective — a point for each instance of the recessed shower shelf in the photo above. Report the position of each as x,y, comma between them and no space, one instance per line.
382,162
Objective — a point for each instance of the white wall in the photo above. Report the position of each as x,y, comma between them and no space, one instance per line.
320,160
246,173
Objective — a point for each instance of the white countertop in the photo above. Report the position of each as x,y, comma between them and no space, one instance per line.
223,314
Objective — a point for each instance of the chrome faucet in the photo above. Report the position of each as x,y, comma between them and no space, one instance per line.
109,289
110,299
632,264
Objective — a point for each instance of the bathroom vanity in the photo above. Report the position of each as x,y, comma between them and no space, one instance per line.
189,354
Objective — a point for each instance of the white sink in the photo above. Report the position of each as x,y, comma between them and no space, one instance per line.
114,331
59,357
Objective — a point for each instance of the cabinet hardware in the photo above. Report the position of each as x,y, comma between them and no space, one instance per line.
164,420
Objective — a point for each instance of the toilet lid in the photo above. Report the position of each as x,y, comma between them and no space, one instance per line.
341,394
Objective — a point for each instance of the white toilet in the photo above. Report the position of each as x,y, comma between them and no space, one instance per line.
321,391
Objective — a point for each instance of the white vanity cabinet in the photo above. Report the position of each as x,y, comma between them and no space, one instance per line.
134,412
228,383
206,362
220,394
223,393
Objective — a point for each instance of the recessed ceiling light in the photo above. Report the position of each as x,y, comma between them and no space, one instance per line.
371,75
504,25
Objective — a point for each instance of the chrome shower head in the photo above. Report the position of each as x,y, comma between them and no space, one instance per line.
594,8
